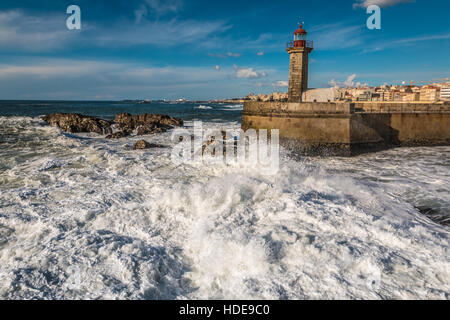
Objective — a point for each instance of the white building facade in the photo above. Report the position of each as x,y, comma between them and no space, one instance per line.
445,93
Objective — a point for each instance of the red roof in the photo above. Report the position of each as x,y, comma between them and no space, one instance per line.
300,30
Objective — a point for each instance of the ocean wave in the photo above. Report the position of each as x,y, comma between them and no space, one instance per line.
12,121
202,107
233,107
93,219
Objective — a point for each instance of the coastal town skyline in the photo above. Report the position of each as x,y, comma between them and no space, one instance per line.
200,51
410,93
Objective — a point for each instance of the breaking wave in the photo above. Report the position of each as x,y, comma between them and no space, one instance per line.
92,219
202,107
233,107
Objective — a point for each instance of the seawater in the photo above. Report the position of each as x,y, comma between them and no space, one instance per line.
82,217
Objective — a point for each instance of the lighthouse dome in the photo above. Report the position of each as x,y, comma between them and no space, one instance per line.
300,30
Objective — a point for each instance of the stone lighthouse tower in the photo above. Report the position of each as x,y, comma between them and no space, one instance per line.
298,50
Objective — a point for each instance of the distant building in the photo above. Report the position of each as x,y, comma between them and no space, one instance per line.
395,95
364,96
406,89
410,97
320,95
429,93
445,93
385,95
376,97
276,96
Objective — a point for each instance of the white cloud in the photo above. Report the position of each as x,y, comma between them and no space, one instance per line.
249,73
424,38
217,67
165,6
163,33
157,7
38,78
23,32
380,3
349,82
79,79
217,55
33,33
235,55
336,36
47,71
260,53
266,42
224,56
281,84
140,13
406,41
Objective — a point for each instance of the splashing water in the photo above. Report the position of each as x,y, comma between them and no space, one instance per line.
84,217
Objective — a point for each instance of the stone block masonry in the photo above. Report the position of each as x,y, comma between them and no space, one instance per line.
298,74
346,129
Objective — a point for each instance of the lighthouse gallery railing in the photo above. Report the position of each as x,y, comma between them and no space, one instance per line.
300,44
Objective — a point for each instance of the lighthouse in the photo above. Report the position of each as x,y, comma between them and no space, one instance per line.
298,49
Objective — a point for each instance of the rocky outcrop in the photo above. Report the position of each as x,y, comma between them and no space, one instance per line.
142,144
146,123
125,123
77,123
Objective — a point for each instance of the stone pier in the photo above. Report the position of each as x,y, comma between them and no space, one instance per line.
347,129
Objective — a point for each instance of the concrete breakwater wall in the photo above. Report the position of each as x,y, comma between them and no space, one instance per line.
401,107
348,129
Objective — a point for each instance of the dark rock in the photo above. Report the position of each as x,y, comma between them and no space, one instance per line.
146,123
142,144
77,123
148,129
435,214
118,135
126,123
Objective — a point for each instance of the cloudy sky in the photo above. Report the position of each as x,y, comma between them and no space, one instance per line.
139,49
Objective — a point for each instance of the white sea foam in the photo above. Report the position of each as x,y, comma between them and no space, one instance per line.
202,107
233,107
91,218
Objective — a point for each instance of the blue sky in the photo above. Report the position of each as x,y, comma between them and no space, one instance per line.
152,49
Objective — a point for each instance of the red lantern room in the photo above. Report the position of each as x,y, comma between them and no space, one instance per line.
300,39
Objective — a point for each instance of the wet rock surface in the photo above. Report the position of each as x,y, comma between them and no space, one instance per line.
146,123
126,124
77,123
117,135
142,144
